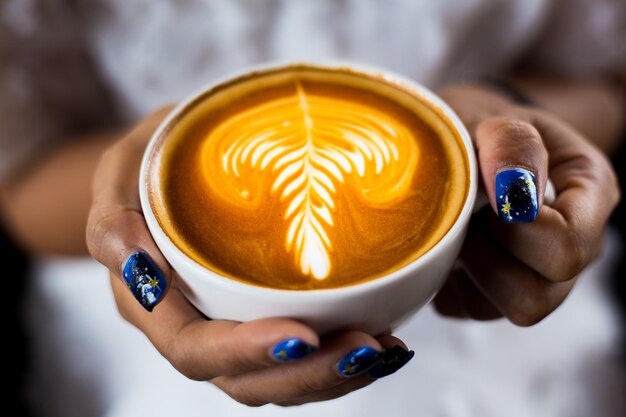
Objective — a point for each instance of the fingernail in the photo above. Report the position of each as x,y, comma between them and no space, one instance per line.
292,349
516,195
358,361
144,279
393,359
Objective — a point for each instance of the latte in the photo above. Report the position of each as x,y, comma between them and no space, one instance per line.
306,178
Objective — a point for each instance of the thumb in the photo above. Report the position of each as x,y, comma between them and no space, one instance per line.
514,167
117,235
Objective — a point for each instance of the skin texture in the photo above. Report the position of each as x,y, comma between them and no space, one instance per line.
522,281
532,267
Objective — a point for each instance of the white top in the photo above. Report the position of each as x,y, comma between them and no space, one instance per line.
67,64
75,64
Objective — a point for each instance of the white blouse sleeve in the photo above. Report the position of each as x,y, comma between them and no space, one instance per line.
48,88
583,37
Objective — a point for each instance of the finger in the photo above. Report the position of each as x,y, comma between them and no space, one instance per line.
340,357
460,298
202,349
521,294
567,235
513,165
396,356
117,235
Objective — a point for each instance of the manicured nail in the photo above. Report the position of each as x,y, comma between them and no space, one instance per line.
292,349
516,195
393,359
358,361
144,279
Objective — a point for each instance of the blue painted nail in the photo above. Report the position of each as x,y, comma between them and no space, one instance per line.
358,361
292,349
144,279
516,195
393,359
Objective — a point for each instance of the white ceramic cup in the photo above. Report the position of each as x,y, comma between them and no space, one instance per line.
374,306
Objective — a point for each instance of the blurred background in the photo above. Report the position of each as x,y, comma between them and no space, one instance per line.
69,68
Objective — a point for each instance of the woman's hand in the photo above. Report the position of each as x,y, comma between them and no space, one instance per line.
274,360
519,266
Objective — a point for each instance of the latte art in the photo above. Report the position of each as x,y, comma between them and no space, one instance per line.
311,148
307,178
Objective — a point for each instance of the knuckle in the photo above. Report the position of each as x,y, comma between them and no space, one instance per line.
611,180
573,250
238,359
305,384
588,165
595,167
578,253
241,359
98,227
530,308
108,227
240,393
179,358
310,385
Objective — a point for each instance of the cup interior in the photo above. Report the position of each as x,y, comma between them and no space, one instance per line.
151,165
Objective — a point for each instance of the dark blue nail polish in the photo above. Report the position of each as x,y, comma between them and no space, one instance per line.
144,279
358,361
516,195
393,359
292,349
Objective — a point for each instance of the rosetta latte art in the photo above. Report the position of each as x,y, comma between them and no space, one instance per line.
310,149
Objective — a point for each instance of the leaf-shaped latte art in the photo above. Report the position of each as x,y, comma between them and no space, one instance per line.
310,148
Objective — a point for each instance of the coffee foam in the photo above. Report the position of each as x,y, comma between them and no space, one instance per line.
309,176
311,147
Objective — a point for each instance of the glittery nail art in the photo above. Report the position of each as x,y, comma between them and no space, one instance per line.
393,359
358,361
292,349
144,279
516,195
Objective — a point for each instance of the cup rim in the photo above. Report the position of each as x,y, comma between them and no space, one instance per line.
348,290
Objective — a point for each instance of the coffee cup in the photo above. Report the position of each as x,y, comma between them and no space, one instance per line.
375,303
